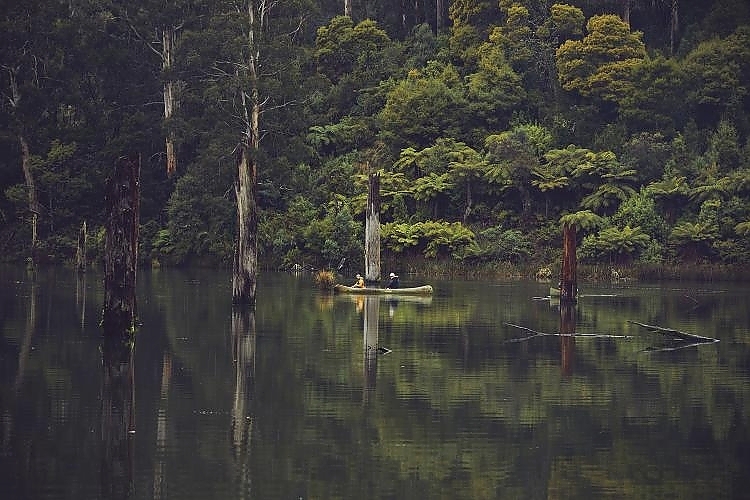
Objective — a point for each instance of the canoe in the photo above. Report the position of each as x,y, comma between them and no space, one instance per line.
416,290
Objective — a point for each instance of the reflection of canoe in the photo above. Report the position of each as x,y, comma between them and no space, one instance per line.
417,290
390,298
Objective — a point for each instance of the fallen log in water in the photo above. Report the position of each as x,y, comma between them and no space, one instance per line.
677,333
535,333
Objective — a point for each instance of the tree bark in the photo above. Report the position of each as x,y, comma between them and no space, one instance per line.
246,245
81,248
169,40
568,279
440,16
372,228
32,195
348,8
121,247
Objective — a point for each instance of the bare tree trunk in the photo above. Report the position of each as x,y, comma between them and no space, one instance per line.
246,245
440,16
372,228
121,247
81,248
169,40
568,278
31,193
626,11
673,26
348,8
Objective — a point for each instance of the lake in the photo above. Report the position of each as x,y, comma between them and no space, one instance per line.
484,390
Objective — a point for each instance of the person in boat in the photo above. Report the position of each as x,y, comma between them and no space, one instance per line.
392,281
360,283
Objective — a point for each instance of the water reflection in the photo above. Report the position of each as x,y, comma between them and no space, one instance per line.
117,419
371,319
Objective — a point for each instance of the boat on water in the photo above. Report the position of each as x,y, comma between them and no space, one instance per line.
415,290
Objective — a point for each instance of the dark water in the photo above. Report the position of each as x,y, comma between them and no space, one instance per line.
479,396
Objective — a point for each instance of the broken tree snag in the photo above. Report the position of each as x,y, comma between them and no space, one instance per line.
568,278
245,268
121,246
81,248
372,227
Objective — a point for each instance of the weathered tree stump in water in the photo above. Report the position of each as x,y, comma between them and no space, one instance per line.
568,272
121,247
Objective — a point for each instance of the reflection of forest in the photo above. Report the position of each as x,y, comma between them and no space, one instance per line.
455,409
456,406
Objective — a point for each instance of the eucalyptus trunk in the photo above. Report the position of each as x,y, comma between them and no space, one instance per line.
246,184
372,229
31,191
169,40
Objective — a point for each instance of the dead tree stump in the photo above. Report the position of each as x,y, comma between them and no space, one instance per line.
121,247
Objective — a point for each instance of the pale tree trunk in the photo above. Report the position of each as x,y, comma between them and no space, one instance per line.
169,40
81,248
246,184
626,11
440,19
31,192
246,247
348,8
372,228
673,26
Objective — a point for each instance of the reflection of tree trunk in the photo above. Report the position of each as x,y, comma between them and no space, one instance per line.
161,426
243,351
372,228
372,315
568,280
23,355
117,420
567,340
81,297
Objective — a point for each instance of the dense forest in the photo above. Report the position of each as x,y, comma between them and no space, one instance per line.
487,122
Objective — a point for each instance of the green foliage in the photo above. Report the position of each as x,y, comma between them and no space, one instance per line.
621,246
432,238
495,243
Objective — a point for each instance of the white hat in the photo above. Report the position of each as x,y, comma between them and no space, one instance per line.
393,275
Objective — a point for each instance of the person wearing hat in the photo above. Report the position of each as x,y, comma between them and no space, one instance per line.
360,282
393,283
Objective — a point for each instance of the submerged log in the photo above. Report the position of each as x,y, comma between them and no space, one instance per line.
121,247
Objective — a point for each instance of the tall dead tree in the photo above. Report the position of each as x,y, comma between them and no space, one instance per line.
348,8
372,226
246,182
121,247
171,103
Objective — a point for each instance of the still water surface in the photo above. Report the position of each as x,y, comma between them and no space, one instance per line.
470,394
